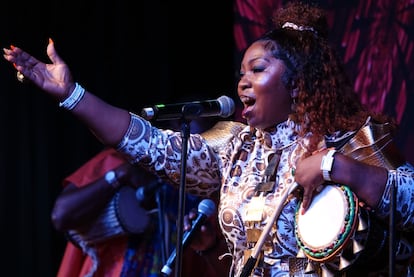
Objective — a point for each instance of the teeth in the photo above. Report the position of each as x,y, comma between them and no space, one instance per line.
246,100
243,99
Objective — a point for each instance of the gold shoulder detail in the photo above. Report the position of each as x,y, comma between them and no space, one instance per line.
373,144
222,132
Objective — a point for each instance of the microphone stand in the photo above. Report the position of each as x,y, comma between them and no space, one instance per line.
160,197
392,238
185,134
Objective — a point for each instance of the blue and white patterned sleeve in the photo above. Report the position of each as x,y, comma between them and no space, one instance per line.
402,180
160,151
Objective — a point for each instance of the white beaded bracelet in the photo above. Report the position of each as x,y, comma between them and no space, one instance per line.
74,98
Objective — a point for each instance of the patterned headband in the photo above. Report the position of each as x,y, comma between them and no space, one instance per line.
299,28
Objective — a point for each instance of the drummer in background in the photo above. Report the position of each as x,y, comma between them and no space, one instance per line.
120,220
303,119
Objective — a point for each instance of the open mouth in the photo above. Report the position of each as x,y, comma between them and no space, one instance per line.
247,101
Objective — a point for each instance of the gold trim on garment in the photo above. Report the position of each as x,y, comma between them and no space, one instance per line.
373,145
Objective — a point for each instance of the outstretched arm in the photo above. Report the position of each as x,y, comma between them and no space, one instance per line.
107,123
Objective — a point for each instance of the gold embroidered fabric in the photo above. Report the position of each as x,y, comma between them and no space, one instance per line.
221,133
373,145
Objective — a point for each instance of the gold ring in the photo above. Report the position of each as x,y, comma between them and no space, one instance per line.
20,77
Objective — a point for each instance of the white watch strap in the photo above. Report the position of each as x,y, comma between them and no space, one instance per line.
326,165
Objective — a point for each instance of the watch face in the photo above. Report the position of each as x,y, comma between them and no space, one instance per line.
110,177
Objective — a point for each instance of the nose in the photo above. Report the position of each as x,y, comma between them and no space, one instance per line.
244,82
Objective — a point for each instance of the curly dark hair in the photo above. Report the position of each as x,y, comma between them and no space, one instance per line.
325,101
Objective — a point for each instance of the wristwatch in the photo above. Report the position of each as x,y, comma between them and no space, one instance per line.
110,178
326,165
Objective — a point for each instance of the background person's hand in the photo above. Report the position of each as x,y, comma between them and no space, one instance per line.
206,236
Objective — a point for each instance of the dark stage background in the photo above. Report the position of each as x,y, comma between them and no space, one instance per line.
134,54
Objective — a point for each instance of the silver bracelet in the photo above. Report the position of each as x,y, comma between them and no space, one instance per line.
74,98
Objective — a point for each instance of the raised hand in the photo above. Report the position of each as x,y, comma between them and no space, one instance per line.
54,78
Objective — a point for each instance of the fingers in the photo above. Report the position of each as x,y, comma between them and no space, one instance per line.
187,224
306,200
8,54
308,196
52,54
188,219
21,60
11,55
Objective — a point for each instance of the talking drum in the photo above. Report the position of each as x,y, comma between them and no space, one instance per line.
334,229
123,215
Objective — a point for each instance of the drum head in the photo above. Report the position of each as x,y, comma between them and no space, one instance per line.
327,224
133,218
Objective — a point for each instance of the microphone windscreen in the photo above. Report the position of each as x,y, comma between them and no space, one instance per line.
227,106
206,207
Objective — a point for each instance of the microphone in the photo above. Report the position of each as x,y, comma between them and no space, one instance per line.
205,209
146,191
222,106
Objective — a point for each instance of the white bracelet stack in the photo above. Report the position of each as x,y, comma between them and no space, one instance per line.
326,165
74,98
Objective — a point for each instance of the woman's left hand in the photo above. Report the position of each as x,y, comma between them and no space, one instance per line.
309,176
